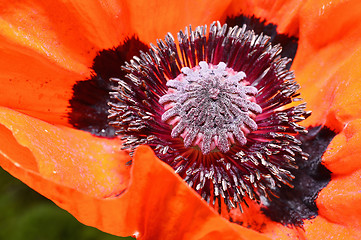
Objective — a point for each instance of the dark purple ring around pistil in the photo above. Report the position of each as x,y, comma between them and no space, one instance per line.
228,172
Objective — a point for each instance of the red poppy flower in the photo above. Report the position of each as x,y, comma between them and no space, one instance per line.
46,47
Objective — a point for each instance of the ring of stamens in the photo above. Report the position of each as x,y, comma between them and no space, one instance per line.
210,106
159,84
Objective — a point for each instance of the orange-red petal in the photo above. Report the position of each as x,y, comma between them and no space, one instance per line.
341,156
254,218
340,200
73,158
67,32
82,174
283,13
321,228
153,19
324,64
47,46
30,82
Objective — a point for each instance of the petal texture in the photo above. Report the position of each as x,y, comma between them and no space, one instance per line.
29,82
152,20
254,218
321,228
325,66
73,158
340,201
341,156
283,13
56,28
47,46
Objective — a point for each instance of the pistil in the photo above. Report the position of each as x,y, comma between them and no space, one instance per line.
210,106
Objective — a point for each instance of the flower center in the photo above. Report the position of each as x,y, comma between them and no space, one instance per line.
210,106
220,108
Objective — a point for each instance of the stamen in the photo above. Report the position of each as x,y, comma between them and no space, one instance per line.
210,106
216,108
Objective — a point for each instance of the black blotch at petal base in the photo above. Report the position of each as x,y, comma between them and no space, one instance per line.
89,104
289,44
294,205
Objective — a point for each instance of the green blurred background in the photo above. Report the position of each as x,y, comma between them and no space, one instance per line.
26,215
